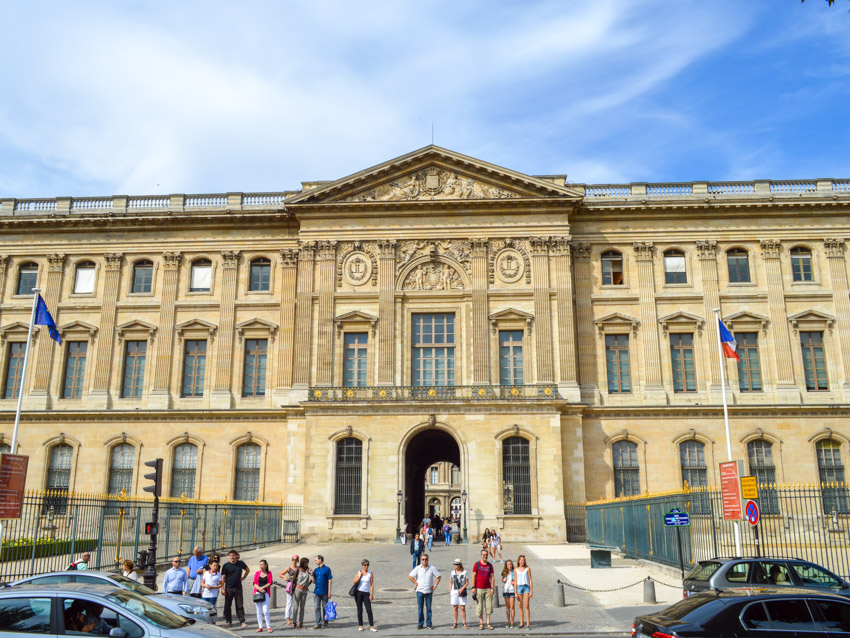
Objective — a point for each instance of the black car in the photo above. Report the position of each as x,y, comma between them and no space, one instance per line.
742,612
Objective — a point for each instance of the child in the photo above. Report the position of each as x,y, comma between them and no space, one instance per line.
508,592
211,584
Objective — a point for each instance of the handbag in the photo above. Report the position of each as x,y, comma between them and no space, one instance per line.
330,610
353,590
259,597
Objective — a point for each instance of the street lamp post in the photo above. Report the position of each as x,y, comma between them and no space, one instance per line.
465,538
398,518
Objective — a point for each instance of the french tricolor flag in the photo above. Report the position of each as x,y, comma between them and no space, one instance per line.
727,342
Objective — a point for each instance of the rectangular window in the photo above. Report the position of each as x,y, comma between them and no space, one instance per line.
194,367
674,268
260,276
254,371
749,368
201,277
84,281
814,363
134,368
143,277
510,357
14,369
682,356
435,475
349,476
27,279
75,369
433,350
355,360
617,363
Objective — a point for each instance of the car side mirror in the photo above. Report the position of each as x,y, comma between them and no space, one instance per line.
117,632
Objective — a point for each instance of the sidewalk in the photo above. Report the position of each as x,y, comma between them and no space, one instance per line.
394,606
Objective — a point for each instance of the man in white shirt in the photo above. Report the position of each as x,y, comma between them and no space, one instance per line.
426,578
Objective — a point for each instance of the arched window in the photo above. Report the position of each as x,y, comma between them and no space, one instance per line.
5,448
801,264
260,279
349,476
27,278
674,267
516,475
121,468
201,276
738,261
612,268
456,507
831,475
143,276
247,483
84,278
59,478
760,458
626,469
183,470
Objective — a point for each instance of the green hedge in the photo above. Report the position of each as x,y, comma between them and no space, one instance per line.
22,549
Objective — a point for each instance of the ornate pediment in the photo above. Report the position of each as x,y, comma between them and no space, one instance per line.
746,320
78,328
135,329
616,322
430,174
681,322
509,318
256,328
16,331
811,320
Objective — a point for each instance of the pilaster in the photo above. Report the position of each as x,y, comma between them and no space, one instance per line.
39,396
4,263
303,321
542,313
386,310
326,263
707,253
653,388
289,273
841,299
561,251
480,341
99,397
221,397
160,396
584,328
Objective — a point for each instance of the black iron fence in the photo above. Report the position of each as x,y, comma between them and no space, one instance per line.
811,522
56,527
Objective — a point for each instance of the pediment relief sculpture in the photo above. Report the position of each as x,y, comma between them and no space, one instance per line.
432,183
455,249
433,275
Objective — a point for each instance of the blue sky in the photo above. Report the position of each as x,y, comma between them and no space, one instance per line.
104,98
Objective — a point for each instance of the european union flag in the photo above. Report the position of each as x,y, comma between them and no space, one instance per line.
43,318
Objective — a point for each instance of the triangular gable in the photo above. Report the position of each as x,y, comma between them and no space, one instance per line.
432,173
617,320
79,327
135,328
743,320
196,324
811,320
511,313
355,315
18,329
681,319
256,328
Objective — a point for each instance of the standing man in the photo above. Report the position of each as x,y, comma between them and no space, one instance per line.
197,564
425,577
416,547
232,574
323,578
175,580
482,577
289,575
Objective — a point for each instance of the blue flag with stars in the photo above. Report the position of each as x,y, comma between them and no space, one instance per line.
43,318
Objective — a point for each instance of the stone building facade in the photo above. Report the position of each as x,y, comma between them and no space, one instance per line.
326,347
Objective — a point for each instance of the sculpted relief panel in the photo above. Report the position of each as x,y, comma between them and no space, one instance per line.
357,264
433,275
455,249
432,183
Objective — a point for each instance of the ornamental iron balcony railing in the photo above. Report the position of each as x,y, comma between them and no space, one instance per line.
542,392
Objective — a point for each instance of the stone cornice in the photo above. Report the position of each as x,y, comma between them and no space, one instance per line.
139,416
716,411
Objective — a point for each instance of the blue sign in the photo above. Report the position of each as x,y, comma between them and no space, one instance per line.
677,518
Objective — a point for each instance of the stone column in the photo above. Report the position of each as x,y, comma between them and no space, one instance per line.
563,273
653,388
99,397
542,313
786,389
4,263
326,262
707,253
841,299
303,321
160,394
289,264
386,311
38,397
480,339
588,373
221,397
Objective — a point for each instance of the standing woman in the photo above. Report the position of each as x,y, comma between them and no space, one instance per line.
365,582
263,581
509,592
485,539
302,586
524,590
457,596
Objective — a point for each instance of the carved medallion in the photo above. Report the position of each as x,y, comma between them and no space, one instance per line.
509,265
433,275
357,268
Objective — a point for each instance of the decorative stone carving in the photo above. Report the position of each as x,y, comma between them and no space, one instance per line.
289,257
171,260
326,249
56,262
432,183
581,250
560,246
707,249
433,275
229,258
516,247
307,250
834,246
357,265
643,250
455,249
769,248
509,265
386,247
539,245
113,260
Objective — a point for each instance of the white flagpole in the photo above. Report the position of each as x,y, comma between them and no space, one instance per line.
726,413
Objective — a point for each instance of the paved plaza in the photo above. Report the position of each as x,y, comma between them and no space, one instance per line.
395,609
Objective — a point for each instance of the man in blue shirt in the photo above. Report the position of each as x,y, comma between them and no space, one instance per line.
416,547
322,590
197,563
175,580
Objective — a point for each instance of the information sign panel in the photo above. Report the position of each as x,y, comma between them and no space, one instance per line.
13,477
749,487
677,517
730,488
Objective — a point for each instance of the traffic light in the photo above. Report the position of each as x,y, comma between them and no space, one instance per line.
155,476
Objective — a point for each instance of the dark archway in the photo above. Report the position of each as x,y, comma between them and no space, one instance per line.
426,448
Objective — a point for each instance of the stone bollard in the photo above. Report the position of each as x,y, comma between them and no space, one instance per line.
273,597
649,591
559,595
496,602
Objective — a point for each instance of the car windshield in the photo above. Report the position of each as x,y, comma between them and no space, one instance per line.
148,610
132,585
703,571
687,606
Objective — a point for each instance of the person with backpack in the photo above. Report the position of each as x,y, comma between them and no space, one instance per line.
482,589
82,564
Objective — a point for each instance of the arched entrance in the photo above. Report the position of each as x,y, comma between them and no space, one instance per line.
424,450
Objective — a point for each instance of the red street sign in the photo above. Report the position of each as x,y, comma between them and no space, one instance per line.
752,513
13,477
730,488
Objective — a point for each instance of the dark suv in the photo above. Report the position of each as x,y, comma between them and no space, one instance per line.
719,574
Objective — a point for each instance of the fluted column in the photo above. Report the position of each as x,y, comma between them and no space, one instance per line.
289,272
160,394
326,263
542,313
707,253
841,299
653,389
480,340
99,397
561,250
221,397
786,389
303,320
4,263
386,311
588,374
39,396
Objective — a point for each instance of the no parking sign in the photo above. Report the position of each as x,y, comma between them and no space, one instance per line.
751,513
